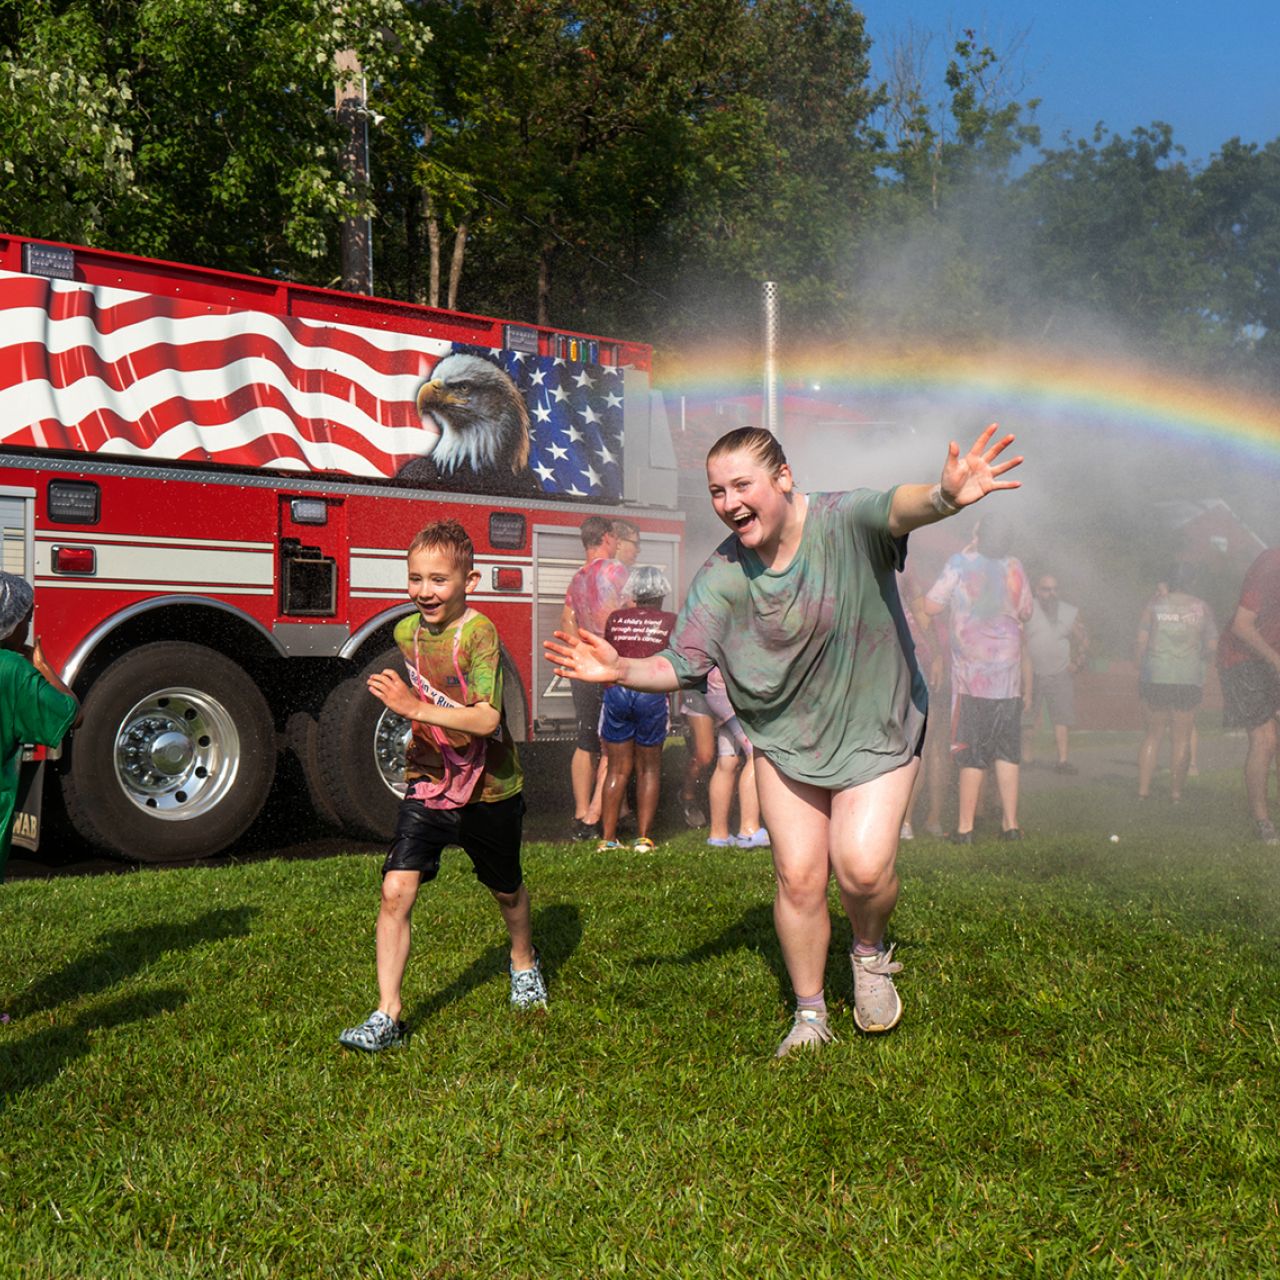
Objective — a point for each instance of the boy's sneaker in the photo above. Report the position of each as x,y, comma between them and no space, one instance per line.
876,1003
644,845
758,839
808,1031
1267,832
528,989
608,846
375,1033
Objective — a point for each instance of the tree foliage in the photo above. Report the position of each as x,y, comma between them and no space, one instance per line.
634,166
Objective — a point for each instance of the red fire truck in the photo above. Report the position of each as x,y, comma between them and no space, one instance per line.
211,480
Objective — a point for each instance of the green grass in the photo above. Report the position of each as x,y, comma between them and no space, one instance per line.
1087,1080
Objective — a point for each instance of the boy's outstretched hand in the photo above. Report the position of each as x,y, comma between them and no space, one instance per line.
584,657
391,690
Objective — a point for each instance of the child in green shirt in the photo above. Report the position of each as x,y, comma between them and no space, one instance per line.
35,705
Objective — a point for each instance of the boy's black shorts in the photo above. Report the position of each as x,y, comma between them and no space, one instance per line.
489,834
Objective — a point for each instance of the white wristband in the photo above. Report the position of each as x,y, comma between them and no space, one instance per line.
941,503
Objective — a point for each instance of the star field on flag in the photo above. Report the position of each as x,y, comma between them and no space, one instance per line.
575,421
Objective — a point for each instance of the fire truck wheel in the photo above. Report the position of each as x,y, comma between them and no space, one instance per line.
175,757
361,753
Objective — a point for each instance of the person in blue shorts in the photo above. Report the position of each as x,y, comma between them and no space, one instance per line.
633,725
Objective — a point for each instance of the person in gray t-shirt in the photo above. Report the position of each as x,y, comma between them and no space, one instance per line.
1056,645
799,609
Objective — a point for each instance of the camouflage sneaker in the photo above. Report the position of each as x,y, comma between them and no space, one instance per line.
375,1033
643,845
528,989
608,846
876,1004
808,1031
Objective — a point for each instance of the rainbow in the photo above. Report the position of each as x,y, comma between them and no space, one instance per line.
1009,385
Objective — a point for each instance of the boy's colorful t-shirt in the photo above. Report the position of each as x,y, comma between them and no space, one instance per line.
989,600
459,667
595,591
31,710
817,658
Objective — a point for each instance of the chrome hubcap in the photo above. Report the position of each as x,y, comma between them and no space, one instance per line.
177,753
390,742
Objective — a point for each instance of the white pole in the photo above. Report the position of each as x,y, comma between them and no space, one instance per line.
771,419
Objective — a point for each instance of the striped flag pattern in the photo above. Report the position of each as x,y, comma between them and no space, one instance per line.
94,369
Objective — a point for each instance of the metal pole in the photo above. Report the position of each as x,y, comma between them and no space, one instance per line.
770,297
357,234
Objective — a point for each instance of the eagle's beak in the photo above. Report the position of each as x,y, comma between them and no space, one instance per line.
428,395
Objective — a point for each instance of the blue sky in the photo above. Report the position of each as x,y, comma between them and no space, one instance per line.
1212,71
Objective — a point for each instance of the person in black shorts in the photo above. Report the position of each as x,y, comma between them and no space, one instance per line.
1176,636
1249,667
464,784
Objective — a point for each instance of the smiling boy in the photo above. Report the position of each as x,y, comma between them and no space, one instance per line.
462,774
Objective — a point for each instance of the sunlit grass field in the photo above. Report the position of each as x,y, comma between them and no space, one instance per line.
1086,1082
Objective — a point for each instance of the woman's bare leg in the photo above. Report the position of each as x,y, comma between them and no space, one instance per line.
799,814
865,822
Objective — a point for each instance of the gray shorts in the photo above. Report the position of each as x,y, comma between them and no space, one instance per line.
1058,693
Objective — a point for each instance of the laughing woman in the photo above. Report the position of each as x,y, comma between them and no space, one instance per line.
799,608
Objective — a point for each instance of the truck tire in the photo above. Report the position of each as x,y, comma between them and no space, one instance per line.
175,757
360,748
360,753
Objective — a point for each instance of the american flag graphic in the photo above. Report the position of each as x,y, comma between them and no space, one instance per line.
101,370
575,417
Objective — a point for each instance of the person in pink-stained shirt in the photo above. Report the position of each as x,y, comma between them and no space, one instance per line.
595,591
989,596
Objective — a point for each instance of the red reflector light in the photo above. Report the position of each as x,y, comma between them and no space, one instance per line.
508,579
75,560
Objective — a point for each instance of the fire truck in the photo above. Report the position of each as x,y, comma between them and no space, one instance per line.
211,480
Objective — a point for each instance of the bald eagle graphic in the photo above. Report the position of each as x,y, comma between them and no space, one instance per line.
483,422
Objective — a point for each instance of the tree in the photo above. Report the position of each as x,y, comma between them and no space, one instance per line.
229,159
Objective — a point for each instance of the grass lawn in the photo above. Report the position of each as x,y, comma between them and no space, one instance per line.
1087,1080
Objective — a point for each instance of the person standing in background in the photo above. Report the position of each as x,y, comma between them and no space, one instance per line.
989,597
594,592
1249,667
1057,644
1175,636
35,705
633,726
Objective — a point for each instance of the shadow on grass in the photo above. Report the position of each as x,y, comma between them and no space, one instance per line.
557,933
41,1056
123,952
754,931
